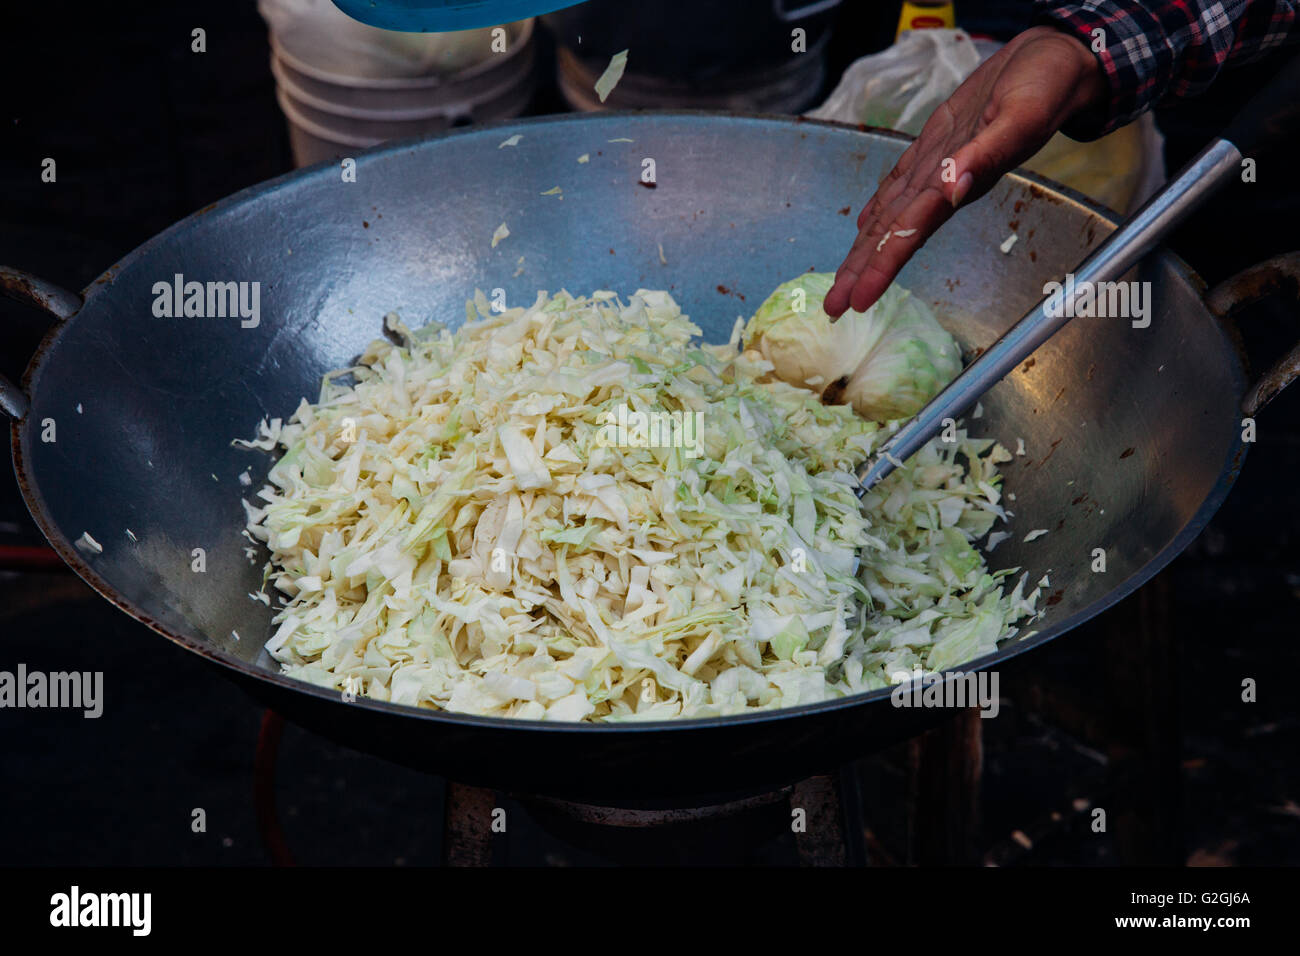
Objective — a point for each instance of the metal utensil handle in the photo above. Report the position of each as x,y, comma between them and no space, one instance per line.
1211,168
50,298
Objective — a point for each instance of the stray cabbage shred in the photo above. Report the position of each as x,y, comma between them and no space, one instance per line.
453,527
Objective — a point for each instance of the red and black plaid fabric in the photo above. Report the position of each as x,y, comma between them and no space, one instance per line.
1167,48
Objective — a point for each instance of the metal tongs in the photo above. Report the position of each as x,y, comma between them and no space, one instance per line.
1256,132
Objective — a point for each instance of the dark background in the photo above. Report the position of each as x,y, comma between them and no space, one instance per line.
145,132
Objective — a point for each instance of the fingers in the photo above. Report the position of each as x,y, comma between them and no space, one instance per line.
880,253
995,150
901,204
889,186
922,198
905,211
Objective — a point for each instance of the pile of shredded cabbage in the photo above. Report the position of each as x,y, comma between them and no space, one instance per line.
454,525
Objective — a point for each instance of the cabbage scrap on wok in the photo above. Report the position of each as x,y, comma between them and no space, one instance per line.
489,522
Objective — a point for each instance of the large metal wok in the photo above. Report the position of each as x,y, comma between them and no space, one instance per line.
1132,436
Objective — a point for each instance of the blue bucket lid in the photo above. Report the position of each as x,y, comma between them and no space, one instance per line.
441,16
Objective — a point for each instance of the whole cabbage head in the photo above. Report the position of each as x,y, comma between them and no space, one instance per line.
886,362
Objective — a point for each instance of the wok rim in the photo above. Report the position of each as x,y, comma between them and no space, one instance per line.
241,669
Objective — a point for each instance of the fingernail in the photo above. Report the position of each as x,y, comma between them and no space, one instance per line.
830,297
961,189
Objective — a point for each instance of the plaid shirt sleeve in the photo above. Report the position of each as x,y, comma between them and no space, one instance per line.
1155,49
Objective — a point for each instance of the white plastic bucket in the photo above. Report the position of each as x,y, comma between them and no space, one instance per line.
331,114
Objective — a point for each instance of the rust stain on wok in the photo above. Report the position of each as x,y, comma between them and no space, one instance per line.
19,285
1038,192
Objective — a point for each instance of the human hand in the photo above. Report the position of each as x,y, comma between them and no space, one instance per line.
1003,114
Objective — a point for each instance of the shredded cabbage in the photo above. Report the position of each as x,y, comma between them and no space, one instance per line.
606,82
573,511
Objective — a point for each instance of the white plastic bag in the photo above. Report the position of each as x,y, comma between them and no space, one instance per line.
899,87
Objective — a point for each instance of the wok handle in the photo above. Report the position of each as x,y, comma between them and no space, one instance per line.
1281,273
49,298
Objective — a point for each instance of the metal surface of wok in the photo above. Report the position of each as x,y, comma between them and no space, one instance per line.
1131,435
